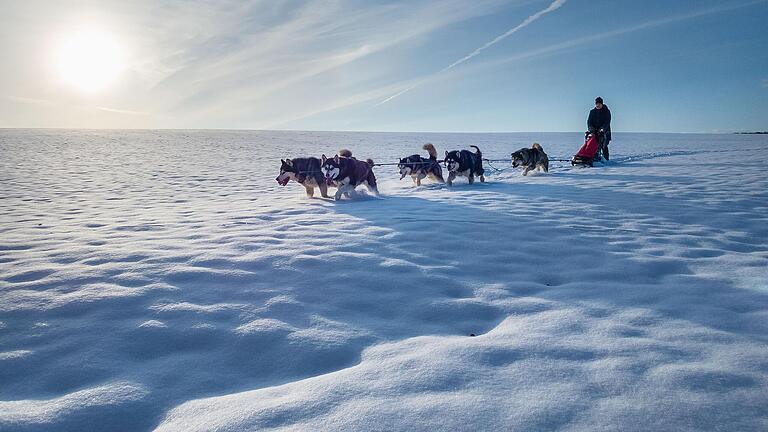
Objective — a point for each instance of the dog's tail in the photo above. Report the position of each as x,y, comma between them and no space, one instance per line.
345,153
478,152
369,162
431,150
537,146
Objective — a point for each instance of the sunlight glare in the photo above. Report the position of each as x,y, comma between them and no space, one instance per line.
89,60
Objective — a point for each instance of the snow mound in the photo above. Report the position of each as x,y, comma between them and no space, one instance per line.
542,371
80,409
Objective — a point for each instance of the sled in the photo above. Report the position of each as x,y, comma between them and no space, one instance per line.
586,154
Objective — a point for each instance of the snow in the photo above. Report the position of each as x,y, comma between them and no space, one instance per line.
163,280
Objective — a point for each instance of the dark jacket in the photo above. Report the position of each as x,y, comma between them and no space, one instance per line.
600,119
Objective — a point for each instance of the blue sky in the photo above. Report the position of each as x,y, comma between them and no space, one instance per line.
665,66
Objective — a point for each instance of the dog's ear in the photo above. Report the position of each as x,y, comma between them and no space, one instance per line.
446,153
289,162
336,159
324,158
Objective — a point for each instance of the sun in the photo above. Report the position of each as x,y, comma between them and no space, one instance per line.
89,60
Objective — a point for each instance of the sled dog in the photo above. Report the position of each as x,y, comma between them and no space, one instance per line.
464,163
419,168
347,173
306,172
531,158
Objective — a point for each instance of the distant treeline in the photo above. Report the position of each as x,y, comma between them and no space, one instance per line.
752,133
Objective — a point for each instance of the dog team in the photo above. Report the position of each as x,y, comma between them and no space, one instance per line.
345,173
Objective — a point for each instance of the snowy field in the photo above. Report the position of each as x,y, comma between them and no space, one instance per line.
163,280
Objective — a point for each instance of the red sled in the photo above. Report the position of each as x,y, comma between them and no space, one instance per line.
587,152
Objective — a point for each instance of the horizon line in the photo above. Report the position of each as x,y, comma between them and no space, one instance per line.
729,132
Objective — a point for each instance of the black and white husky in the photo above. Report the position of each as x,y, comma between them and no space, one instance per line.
464,163
347,173
306,172
532,158
419,168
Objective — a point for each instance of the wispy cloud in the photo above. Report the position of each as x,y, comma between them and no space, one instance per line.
543,51
557,4
121,111
250,59
261,63
332,105
45,102
586,40
574,43
248,62
28,100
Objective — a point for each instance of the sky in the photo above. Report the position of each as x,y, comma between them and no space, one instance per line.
374,65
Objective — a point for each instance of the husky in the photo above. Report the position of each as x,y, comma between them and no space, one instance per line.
347,173
419,168
464,163
306,172
532,158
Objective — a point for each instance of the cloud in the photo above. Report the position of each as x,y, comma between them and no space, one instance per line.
203,63
259,63
247,57
68,106
586,40
346,101
29,101
574,43
557,4
122,111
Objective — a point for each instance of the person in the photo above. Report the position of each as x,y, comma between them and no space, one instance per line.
599,122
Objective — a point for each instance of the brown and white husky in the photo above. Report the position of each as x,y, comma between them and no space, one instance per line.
347,173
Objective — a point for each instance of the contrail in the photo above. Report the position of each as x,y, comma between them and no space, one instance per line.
557,4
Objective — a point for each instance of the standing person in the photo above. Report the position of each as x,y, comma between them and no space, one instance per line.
599,122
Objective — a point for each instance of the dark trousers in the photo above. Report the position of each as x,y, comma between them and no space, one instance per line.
602,146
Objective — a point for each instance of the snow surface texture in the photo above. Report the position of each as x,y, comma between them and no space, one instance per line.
159,279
